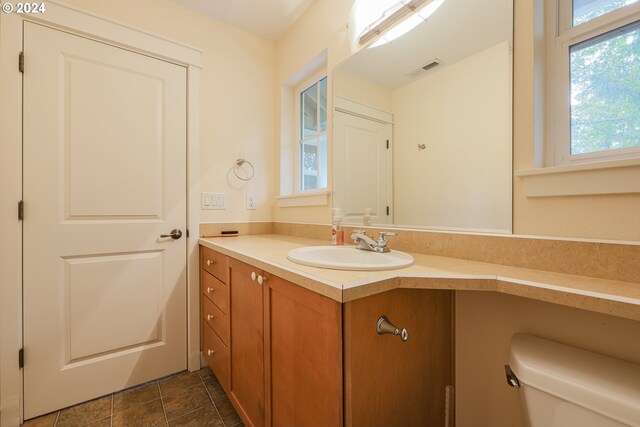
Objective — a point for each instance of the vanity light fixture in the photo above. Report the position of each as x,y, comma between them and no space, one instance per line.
386,20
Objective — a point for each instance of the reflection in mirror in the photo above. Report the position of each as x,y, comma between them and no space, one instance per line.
422,125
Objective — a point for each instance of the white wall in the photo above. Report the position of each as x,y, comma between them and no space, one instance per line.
355,88
462,180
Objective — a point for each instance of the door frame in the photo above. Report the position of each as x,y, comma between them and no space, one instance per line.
354,108
61,17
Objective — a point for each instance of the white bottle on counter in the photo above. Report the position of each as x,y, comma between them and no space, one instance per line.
337,233
366,218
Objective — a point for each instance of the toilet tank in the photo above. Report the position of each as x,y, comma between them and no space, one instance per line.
563,386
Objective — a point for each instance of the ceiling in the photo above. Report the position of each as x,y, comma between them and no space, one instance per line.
458,29
268,19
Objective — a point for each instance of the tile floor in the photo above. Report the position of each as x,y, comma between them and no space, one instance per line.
193,399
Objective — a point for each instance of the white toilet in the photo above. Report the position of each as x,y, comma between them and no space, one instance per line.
563,386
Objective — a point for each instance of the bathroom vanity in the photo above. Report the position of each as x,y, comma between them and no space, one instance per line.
290,355
303,339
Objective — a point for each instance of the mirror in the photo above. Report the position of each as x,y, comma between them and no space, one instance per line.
422,125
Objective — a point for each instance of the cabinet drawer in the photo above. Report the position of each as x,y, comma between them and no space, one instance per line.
218,321
215,263
217,355
215,290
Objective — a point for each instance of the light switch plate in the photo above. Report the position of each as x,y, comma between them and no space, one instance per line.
214,200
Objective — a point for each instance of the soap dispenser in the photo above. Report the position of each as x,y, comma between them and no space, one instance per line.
337,233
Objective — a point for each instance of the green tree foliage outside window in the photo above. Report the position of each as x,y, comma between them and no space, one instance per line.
605,89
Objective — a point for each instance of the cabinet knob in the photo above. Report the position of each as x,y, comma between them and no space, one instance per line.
261,279
209,317
210,352
385,327
209,262
253,276
209,290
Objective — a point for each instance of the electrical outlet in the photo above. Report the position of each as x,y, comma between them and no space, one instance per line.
251,201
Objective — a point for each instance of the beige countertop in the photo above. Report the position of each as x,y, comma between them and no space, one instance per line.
269,253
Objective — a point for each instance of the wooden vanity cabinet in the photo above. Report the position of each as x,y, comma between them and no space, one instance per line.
303,356
286,348
388,382
292,357
247,384
214,307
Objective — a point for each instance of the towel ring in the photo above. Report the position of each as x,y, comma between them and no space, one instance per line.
240,163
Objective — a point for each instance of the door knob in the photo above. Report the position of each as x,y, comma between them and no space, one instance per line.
175,234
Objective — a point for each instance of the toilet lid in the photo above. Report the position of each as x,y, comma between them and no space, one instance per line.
599,383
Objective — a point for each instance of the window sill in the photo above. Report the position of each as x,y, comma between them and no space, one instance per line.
610,177
316,198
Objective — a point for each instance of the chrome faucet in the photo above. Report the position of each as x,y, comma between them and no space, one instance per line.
366,243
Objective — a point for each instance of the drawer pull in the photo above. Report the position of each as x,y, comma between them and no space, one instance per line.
209,290
209,262
253,276
210,352
261,279
209,317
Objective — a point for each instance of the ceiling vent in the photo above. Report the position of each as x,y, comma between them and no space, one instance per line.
425,69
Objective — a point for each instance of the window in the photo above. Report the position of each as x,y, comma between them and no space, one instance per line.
595,81
313,136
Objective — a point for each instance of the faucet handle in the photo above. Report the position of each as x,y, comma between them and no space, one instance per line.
383,234
382,242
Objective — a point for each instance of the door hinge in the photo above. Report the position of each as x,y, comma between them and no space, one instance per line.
387,210
20,210
21,358
387,144
187,233
21,62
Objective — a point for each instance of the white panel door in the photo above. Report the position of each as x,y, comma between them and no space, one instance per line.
362,168
104,177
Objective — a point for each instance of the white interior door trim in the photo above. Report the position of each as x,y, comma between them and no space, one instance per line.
88,25
107,31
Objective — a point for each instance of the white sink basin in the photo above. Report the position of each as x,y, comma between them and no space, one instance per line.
349,258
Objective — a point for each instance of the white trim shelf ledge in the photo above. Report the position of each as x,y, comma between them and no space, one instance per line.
610,177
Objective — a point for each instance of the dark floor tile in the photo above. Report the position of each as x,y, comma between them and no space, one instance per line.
135,396
203,417
206,373
222,403
105,422
146,415
228,413
178,382
85,413
215,390
185,401
44,421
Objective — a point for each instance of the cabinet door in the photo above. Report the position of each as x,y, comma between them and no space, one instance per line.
393,383
303,344
247,335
